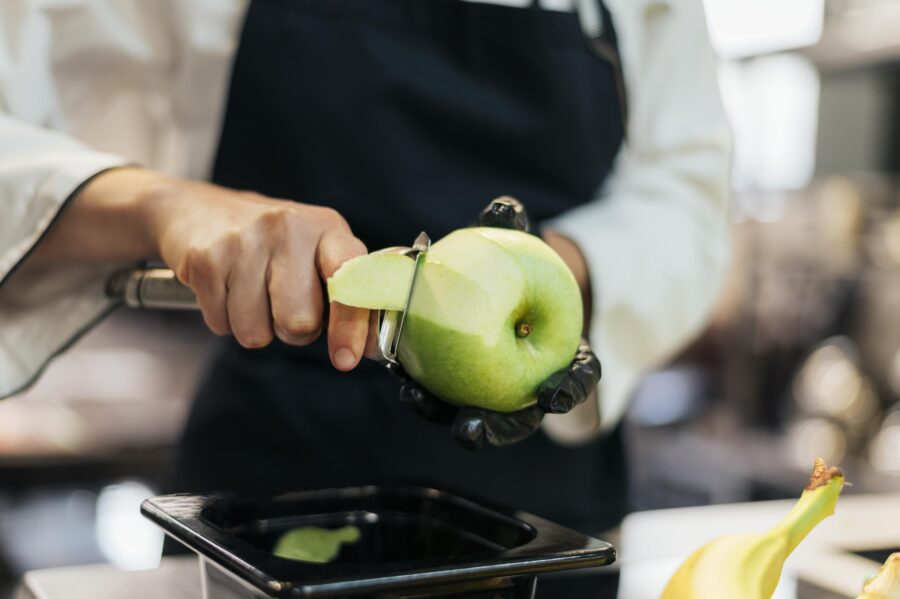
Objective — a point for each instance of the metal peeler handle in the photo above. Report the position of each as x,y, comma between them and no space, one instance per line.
151,288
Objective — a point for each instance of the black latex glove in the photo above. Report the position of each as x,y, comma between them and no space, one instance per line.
560,392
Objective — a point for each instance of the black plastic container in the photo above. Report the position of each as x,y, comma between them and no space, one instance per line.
414,542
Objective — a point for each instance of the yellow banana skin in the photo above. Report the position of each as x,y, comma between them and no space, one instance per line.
885,584
748,566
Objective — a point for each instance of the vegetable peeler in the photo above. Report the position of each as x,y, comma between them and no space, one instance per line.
159,289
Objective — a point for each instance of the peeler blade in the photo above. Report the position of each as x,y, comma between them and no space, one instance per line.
390,322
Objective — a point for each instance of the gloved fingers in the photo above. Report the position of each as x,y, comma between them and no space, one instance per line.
426,405
473,428
505,212
398,371
566,388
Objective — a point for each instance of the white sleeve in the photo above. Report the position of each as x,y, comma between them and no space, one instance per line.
41,311
144,81
656,237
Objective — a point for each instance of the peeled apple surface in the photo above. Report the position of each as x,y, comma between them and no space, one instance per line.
315,544
493,313
748,566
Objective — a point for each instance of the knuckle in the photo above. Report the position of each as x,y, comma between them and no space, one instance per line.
275,218
299,326
332,218
216,252
279,224
254,338
197,268
356,246
339,248
233,242
291,339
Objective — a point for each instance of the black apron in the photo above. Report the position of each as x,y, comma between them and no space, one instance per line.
403,115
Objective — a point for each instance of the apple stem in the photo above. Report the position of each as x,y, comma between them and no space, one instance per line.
523,329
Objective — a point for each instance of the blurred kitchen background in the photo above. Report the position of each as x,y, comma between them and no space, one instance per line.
801,359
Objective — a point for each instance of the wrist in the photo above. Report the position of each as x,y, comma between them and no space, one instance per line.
155,200
123,199
105,221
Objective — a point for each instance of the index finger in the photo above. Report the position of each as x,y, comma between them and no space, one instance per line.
348,327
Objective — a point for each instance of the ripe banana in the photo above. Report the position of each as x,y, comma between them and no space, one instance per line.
885,584
748,566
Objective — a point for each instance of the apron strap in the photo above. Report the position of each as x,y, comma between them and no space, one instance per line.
592,17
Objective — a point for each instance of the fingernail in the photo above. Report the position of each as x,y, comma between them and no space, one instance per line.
344,359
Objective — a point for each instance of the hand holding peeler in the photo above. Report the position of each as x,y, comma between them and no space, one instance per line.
159,289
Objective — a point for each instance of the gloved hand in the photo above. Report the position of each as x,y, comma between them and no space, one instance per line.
560,392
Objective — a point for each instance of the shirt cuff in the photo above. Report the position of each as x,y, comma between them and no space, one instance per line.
45,308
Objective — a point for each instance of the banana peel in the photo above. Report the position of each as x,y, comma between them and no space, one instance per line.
748,566
885,584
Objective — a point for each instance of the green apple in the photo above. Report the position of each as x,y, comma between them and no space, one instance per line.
493,313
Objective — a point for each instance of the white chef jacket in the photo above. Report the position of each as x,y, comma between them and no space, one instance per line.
86,85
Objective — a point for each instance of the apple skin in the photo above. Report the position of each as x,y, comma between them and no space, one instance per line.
494,312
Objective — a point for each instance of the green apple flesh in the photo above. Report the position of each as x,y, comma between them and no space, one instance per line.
493,313
376,280
315,544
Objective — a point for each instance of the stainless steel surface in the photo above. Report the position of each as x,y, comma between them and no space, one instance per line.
152,288
175,578
808,590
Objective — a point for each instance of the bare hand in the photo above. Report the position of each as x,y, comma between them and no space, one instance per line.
257,264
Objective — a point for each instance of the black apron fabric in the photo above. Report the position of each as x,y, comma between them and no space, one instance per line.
403,115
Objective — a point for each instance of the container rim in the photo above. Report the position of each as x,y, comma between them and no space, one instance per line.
552,548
